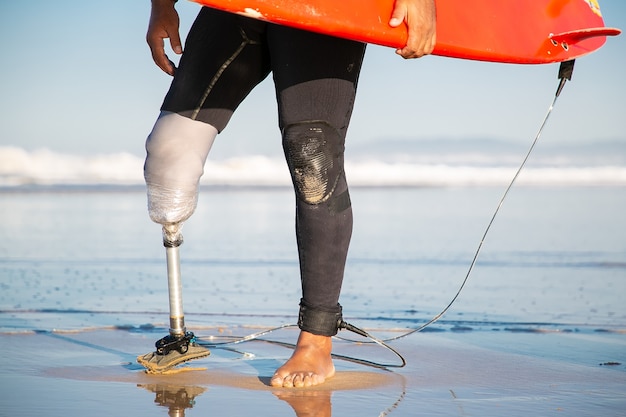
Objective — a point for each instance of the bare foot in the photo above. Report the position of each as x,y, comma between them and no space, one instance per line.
309,365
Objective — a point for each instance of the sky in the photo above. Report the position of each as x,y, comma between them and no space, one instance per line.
77,77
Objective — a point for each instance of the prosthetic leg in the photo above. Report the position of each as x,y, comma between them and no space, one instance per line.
177,150
179,346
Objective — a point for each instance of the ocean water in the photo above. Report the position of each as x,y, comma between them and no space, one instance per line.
78,250
74,258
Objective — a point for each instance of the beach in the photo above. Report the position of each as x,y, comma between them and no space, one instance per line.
538,329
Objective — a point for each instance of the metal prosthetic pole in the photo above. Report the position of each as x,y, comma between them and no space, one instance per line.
180,345
179,338
175,287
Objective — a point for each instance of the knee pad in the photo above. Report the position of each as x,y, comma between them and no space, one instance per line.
314,153
177,149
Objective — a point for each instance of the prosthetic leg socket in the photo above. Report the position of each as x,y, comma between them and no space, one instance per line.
177,149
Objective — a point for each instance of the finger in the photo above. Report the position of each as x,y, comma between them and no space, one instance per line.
409,53
175,43
419,43
160,58
398,15
414,47
424,45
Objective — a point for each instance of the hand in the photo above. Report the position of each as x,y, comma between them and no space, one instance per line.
164,22
420,17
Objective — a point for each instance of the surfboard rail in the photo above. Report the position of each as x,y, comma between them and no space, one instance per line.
521,32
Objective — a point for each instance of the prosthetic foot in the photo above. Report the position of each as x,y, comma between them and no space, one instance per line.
156,363
180,345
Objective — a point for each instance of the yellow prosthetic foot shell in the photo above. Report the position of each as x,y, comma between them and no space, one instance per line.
158,364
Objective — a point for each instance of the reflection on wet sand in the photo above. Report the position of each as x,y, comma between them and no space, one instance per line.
176,398
305,402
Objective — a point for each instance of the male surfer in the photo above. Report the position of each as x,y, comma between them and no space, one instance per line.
315,77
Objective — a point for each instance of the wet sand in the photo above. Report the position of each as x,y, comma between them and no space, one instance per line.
538,331
465,373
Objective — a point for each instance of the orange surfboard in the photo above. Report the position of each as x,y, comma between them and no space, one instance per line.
511,31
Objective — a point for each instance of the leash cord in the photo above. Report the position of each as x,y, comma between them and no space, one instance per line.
565,73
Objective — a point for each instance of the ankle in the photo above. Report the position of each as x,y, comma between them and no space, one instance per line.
321,342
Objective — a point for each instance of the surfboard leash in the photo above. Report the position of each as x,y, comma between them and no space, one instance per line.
566,69
213,342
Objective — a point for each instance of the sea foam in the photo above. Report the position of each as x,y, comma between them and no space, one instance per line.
20,167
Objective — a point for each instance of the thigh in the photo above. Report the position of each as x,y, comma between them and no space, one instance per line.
315,75
225,57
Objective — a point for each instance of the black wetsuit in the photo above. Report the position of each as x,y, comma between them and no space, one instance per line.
315,76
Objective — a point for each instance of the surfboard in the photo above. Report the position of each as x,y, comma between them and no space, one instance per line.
522,32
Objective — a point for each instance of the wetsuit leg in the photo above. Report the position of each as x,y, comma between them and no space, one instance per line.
316,78
225,57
